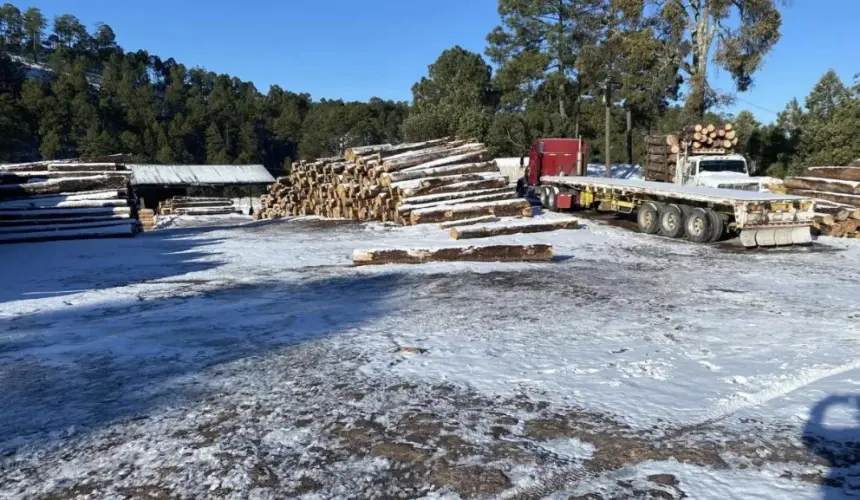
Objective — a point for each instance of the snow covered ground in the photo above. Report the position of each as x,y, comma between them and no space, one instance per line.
221,358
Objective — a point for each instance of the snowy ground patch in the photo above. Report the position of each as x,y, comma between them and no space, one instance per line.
250,360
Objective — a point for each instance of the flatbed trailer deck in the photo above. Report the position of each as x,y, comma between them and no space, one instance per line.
701,214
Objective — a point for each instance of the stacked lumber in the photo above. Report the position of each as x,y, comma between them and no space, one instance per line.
433,181
492,253
186,205
836,191
67,199
147,218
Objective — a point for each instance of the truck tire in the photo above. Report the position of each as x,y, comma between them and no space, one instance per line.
544,200
699,226
718,227
648,218
552,199
672,221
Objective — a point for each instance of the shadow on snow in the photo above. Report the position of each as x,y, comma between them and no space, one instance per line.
838,446
66,267
85,367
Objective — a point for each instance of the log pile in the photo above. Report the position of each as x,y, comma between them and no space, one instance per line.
659,159
67,199
836,191
433,181
662,150
184,205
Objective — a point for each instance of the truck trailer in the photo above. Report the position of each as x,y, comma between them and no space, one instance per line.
700,214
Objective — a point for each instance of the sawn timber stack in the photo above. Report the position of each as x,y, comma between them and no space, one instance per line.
432,181
67,199
837,198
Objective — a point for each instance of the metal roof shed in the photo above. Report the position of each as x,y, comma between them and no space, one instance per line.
199,175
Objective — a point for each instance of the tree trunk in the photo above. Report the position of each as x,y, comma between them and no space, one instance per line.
459,186
608,121
468,168
456,195
843,173
507,194
629,136
505,208
494,253
516,227
468,222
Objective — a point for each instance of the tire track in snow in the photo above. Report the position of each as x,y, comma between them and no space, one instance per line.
742,401
569,478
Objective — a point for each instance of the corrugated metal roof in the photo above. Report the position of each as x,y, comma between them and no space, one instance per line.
199,175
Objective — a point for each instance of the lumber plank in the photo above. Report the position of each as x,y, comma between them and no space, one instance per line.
823,184
99,232
56,186
503,208
841,173
845,199
468,222
492,253
516,227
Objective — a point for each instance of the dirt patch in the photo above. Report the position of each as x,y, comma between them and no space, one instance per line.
469,481
400,452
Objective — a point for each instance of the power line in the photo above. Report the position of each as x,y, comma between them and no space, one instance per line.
748,103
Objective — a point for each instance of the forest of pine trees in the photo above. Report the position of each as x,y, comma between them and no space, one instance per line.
95,98
67,91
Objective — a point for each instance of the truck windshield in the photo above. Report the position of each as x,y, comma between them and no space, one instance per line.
723,166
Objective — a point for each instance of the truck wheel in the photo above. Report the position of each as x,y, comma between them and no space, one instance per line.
544,198
672,221
717,226
552,199
698,226
648,217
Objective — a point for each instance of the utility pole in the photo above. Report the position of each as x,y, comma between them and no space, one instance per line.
629,136
607,97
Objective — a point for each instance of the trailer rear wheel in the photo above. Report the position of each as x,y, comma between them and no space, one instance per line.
699,226
672,221
648,217
717,225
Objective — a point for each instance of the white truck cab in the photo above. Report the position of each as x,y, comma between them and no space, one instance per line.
718,170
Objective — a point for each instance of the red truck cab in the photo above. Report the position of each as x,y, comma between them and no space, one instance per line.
556,157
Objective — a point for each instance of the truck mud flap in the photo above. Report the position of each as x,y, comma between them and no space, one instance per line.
771,237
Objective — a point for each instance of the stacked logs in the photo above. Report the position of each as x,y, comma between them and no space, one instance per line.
413,183
69,199
184,205
706,137
836,191
662,150
660,160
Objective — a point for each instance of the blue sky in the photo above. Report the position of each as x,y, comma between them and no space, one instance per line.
357,49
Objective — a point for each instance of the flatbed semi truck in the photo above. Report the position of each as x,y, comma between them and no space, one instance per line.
700,214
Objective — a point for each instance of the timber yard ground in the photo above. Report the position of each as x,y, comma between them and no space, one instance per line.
249,360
